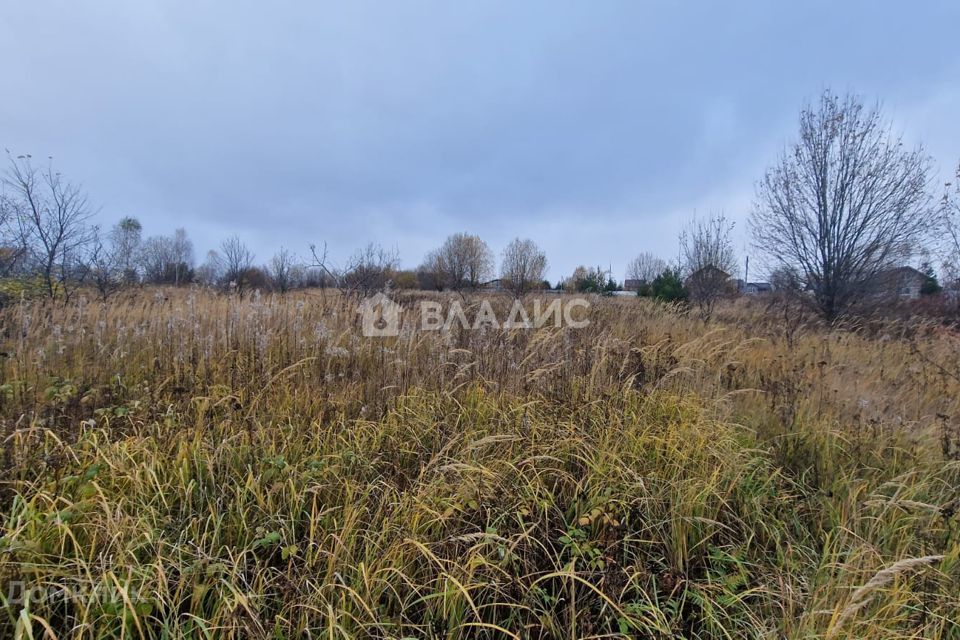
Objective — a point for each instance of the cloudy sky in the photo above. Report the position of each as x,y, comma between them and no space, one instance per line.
597,128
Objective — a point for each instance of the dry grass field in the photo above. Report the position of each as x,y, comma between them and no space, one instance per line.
181,464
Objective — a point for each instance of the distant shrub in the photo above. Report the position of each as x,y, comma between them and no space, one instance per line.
668,286
26,288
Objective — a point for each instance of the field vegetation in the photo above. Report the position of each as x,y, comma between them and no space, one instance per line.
179,463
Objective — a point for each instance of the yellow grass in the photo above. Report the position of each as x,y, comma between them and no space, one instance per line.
178,464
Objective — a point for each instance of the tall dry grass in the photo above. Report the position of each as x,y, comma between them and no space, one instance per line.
180,464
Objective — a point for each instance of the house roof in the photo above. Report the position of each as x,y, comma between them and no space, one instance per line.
709,268
906,272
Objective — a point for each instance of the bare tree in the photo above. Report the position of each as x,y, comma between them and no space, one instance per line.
321,263
282,270
523,267
156,259
51,218
125,238
708,261
843,204
182,250
210,273
369,269
167,259
103,265
12,246
237,261
324,268
464,261
950,208
787,303
478,258
645,267
430,273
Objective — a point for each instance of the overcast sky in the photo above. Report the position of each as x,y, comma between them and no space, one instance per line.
595,127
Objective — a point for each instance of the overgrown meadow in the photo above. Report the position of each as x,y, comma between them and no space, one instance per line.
182,464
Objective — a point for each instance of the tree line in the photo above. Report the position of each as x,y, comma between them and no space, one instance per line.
844,202
47,240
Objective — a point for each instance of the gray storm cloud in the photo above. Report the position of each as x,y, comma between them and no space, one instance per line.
594,128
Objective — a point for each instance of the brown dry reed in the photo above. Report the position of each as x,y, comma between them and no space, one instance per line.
181,464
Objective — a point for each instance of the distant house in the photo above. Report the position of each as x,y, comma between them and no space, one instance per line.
901,282
493,285
631,284
707,276
754,288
